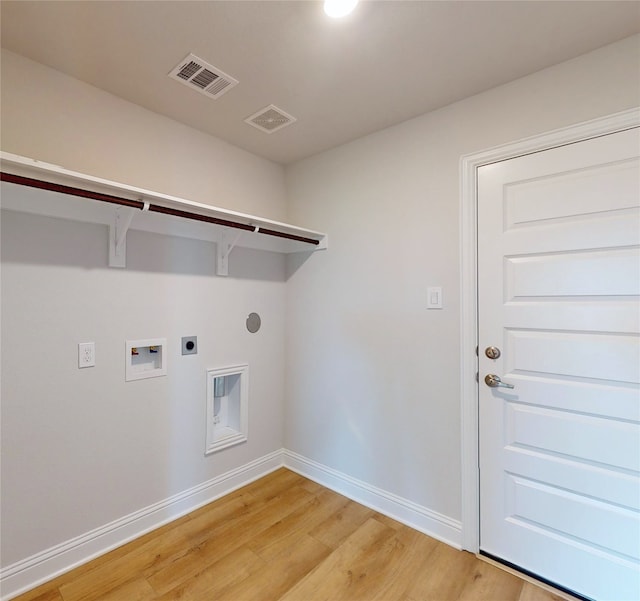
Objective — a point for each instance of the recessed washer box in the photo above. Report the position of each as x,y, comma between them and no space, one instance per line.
227,407
145,358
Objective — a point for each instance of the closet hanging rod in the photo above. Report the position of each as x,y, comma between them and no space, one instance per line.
139,204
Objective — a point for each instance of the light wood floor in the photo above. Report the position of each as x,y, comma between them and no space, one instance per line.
285,538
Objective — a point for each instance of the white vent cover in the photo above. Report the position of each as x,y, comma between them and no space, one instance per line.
270,119
203,77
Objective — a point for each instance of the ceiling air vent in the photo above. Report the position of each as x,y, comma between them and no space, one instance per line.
270,119
203,77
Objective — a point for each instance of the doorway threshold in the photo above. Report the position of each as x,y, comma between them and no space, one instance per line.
547,585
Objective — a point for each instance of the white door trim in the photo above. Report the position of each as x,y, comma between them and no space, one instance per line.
468,286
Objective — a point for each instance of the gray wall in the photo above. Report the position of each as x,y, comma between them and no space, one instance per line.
81,448
51,117
372,375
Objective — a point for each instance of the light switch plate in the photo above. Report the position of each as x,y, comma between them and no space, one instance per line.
434,297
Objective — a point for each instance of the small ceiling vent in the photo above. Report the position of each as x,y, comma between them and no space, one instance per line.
203,77
270,119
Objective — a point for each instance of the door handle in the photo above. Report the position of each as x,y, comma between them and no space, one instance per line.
494,381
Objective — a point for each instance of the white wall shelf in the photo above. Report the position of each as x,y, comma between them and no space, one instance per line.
80,197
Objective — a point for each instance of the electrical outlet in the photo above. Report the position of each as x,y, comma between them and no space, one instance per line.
86,354
189,345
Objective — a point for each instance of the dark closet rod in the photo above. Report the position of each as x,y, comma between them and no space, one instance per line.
138,204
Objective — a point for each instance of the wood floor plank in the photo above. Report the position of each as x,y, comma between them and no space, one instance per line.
220,538
272,541
197,532
312,487
387,521
42,593
285,538
134,590
236,505
214,580
340,525
274,483
108,575
260,515
280,574
153,538
490,582
531,592
417,548
443,576
353,570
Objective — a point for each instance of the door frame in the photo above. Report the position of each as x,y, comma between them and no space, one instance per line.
469,387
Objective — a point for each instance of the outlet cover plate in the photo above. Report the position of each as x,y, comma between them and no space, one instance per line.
189,345
86,354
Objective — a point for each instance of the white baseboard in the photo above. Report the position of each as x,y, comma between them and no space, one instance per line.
46,565
416,516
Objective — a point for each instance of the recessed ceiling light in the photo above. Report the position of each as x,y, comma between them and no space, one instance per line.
339,8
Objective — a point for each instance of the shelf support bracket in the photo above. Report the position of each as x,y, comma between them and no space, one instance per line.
118,236
225,245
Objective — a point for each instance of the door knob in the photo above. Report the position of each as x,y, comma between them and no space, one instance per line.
494,381
492,352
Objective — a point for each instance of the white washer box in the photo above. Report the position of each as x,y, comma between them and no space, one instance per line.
145,358
227,407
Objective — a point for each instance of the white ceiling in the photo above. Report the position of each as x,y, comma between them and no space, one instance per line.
389,61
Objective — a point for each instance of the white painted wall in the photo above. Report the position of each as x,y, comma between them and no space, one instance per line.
81,448
372,375
52,117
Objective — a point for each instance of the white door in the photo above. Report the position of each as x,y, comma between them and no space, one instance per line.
558,292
